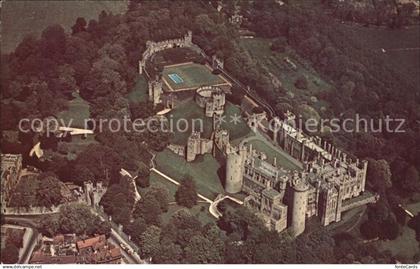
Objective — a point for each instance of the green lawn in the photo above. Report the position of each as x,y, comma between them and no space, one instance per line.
201,210
414,208
236,131
76,146
195,114
76,113
271,153
193,75
203,171
158,181
140,91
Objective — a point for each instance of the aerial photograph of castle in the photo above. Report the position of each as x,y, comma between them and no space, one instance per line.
270,132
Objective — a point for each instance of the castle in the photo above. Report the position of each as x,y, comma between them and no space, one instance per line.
327,184
212,99
157,94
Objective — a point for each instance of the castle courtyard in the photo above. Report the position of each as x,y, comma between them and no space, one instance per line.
189,76
203,171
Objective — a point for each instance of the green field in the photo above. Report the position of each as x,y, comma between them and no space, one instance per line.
158,181
200,210
236,130
273,64
193,113
414,208
281,159
203,171
21,18
76,113
193,75
76,146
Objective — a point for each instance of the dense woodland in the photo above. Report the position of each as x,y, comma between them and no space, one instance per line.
99,59
390,13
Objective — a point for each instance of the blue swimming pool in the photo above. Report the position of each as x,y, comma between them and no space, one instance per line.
176,78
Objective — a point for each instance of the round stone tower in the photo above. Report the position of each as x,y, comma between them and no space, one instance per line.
235,169
299,206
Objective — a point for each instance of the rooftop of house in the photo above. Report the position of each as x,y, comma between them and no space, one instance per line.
63,249
94,242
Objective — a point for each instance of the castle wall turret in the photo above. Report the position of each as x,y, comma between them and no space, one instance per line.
299,206
155,91
235,170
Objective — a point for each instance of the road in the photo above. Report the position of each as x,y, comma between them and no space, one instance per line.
29,221
119,240
213,206
127,256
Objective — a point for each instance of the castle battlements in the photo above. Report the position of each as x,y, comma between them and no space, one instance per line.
153,47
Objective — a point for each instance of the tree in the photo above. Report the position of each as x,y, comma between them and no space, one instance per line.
186,194
379,175
414,224
79,26
143,182
279,44
49,190
149,209
301,83
78,219
143,175
201,250
182,227
161,195
241,222
53,42
49,225
9,254
411,181
136,229
149,240
117,202
168,253
100,162
369,230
